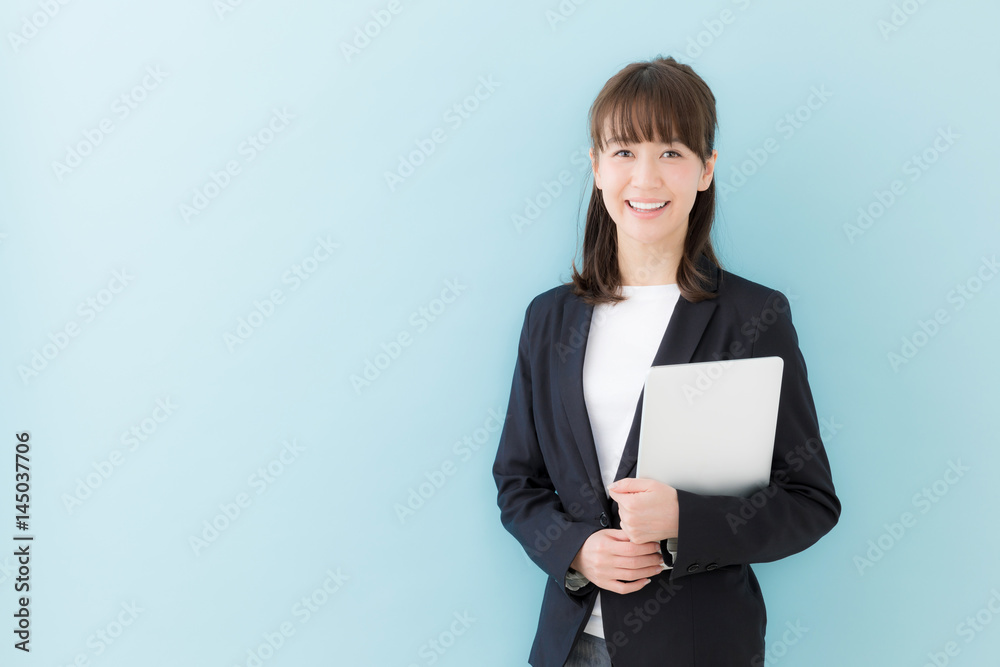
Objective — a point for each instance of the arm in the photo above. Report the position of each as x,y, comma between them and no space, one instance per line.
799,505
530,508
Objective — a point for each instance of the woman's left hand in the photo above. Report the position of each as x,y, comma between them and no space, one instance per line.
648,509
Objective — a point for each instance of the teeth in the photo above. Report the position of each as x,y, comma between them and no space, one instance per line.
646,207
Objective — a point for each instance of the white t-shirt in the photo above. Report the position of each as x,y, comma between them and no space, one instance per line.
622,342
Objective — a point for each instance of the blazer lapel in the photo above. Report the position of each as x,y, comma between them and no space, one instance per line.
687,324
684,331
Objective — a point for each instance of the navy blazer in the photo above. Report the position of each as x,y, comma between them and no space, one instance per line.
708,610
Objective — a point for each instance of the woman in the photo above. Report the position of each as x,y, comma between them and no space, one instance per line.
641,573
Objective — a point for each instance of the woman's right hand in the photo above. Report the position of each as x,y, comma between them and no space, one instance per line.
613,563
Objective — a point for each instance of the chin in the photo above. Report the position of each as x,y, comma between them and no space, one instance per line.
653,236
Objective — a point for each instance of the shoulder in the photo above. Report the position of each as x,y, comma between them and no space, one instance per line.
758,314
554,316
737,299
734,289
761,313
731,290
553,299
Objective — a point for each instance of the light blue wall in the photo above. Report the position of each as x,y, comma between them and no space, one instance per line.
337,123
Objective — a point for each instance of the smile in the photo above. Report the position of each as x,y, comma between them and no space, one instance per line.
646,206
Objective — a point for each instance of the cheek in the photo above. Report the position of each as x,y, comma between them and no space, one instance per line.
692,180
609,202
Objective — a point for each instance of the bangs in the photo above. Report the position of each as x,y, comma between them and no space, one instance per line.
649,105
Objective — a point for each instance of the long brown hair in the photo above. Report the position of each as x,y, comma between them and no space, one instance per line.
647,101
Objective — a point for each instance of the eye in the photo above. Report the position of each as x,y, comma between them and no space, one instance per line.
666,152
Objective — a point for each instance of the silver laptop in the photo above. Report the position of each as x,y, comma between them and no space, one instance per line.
708,427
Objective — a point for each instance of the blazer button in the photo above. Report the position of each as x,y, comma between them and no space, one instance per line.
711,566
604,520
694,567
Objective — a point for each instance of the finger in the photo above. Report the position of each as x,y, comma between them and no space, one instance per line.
635,568
616,534
644,548
645,571
623,587
631,485
653,570
634,549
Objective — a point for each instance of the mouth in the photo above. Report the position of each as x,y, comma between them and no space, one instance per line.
645,206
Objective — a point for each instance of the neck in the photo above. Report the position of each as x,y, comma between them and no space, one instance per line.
645,264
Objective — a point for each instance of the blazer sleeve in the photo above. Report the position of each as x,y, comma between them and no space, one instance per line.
530,508
799,505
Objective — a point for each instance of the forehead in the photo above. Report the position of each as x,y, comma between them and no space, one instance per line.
615,129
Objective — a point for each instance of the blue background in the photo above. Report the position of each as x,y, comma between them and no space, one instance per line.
868,593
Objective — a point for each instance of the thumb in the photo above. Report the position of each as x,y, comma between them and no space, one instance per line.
628,485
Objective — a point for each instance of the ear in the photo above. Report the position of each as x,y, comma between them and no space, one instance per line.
593,166
709,172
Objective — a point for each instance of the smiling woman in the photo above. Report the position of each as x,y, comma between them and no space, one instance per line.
636,168
642,573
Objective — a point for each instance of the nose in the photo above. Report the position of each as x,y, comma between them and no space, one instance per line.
646,173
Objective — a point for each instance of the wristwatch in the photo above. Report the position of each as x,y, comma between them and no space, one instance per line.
575,580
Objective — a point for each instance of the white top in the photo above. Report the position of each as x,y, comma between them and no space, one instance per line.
622,342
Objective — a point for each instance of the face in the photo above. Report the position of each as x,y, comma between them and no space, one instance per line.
649,189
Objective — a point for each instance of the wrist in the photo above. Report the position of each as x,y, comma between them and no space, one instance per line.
575,580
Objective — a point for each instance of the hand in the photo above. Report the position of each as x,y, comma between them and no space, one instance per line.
648,509
614,563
